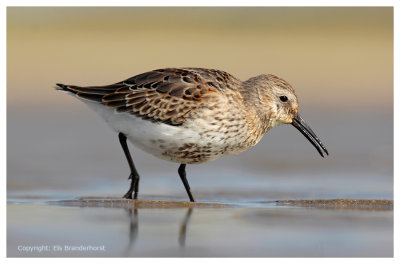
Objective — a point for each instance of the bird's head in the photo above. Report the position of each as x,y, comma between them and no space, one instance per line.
279,105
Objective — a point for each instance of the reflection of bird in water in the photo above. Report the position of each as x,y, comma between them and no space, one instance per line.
193,115
134,227
182,230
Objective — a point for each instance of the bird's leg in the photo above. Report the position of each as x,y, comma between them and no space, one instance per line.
182,174
134,176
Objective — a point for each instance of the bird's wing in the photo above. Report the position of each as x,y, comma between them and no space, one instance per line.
165,95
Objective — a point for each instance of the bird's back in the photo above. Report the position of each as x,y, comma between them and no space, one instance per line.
165,95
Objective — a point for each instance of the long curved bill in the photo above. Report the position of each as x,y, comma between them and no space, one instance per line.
301,125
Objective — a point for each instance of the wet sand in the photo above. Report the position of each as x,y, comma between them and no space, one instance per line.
125,203
137,204
160,227
342,204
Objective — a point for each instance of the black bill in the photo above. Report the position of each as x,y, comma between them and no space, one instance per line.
301,125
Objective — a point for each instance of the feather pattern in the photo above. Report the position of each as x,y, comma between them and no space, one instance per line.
166,95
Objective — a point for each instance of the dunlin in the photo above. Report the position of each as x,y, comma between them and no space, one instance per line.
193,115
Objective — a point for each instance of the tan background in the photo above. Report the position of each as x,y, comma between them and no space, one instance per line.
334,56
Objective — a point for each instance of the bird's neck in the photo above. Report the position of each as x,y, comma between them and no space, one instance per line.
257,116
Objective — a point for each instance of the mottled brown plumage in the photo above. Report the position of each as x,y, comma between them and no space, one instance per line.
164,95
194,115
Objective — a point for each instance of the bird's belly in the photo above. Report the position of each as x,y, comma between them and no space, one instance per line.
188,144
193,142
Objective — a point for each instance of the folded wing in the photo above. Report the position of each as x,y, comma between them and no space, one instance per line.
165,95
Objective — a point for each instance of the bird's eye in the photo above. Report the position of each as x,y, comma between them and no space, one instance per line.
283,98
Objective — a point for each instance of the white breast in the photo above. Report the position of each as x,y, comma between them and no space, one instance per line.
168,142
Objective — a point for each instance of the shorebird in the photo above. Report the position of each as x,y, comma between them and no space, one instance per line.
193,115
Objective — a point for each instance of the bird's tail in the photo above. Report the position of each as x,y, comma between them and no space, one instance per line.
82,92
61,87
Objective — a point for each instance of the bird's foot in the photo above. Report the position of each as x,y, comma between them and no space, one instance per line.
128,195
134,187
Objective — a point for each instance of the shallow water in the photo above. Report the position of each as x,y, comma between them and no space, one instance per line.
120,228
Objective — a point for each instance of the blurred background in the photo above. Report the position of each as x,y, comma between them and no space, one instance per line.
339,60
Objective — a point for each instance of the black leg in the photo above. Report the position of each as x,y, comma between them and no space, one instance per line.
134,176
182,174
